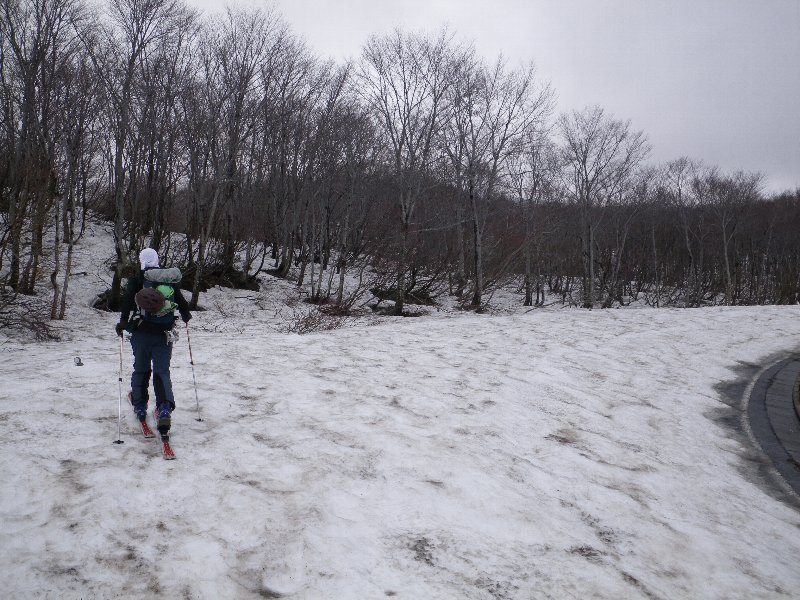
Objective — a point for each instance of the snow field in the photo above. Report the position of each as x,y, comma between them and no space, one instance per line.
544,454
549,455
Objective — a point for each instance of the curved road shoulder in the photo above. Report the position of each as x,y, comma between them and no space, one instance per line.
772,411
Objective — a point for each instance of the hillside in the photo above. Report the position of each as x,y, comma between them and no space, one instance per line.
531,454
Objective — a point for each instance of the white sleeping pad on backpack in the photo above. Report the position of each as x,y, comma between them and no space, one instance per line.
172,275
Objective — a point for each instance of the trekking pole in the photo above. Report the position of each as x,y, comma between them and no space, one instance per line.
191,362
119,411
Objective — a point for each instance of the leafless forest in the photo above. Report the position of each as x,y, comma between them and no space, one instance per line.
418,170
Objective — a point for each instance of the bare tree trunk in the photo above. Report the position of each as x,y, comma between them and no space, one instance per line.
477,249
655,266
402,266
288,222
68,267
312,249
342,261
303,242
587,251
729,299
614,292
56,265
461,260
16,217
229,251
691,283
119,207
39,219
477,296
528,219
206,228
528,277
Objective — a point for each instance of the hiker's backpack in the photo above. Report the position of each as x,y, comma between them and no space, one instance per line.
162,281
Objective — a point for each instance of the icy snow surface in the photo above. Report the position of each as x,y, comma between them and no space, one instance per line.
548,454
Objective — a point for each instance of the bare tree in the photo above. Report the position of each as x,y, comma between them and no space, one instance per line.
622,211
600,153
288,78
160,135
358,159
404,81
39,46
679,183
133,28
492,111
78,107
534,180
727,196
231,57
34,38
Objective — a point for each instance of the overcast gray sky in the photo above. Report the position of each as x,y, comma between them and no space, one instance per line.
716,80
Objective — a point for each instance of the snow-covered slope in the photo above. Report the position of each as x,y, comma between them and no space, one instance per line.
549,454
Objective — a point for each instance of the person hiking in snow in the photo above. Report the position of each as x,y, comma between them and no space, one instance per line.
152,297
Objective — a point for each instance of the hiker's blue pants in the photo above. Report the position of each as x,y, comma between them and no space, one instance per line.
151,349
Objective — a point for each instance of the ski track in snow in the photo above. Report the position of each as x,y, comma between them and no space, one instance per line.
553,455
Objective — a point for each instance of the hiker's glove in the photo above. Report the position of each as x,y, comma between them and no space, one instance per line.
186,317
121,327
